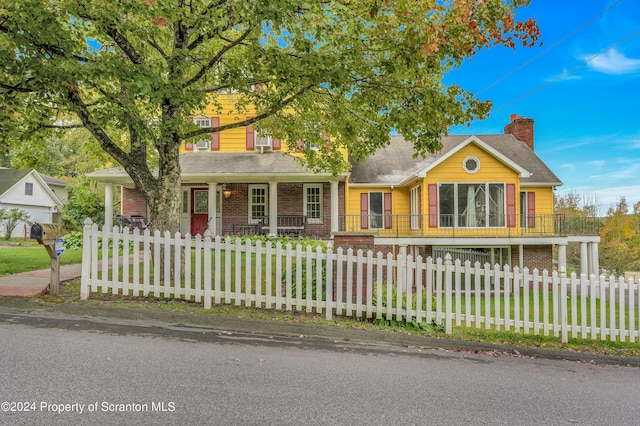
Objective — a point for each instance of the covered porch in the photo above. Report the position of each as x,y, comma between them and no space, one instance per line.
241,193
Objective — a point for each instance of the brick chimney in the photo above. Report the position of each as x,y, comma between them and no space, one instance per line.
521,128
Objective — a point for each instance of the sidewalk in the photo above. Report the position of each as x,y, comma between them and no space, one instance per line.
35,283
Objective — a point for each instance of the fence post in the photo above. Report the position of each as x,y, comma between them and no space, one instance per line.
448,273
329,284
87,255
562,305
207,272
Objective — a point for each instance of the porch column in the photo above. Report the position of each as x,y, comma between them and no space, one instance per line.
594,261
108,205
334,207
521,256
212,209
273,208
562,258
584,259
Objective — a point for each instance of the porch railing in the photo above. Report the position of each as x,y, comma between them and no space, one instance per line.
408,225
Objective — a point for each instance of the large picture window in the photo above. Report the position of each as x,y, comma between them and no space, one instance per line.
472,205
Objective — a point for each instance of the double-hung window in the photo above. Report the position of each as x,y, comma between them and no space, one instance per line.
313,203
258,206
28,188
203,141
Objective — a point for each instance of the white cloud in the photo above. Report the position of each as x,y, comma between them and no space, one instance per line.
612,62
564,76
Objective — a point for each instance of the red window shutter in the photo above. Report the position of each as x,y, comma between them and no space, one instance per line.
250,137
388,222
364,211
531,209
299,146
511,205
215,136
276,144
433,206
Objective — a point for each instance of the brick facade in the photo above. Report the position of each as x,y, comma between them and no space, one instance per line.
133,203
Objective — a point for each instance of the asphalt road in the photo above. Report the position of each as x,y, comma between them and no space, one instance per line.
87,371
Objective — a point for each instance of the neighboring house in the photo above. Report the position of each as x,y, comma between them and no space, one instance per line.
28,190
486,197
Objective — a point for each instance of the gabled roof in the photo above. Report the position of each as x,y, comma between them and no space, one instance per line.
52,181
11,177
394,165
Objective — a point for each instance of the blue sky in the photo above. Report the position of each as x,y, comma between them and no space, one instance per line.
581,87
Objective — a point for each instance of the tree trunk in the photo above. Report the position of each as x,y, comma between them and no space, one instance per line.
166,199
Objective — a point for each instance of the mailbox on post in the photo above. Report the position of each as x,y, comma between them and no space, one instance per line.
45,231
47,234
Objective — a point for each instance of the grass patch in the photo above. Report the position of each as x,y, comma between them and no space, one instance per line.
14,260
70,293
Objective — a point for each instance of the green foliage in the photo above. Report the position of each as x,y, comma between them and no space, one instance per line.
86,200
9,219
284,240
73,241
620,239
410,325
132,72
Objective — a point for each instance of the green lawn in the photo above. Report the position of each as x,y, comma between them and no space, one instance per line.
14,260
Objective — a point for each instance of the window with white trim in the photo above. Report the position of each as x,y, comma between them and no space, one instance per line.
313,203
262,140
414,206
376,210
202,141
473,205
258,202
28,188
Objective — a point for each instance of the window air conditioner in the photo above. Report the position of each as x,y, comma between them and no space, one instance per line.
263,141
202,144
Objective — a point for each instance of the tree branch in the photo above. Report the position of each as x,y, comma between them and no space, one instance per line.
218,56
15,88
276,108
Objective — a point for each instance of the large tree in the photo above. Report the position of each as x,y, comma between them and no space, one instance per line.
132,71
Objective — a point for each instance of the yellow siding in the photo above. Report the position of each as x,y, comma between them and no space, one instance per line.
491,169
544,199
234,140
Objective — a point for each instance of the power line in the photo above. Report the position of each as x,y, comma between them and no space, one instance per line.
510,73
558,77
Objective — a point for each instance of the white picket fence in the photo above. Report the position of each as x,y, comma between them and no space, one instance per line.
356,284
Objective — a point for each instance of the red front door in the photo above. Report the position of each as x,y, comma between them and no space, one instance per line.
199,210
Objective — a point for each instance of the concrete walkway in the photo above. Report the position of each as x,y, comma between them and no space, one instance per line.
35,283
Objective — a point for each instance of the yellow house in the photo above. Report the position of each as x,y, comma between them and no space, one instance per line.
482,197
239,181
485,198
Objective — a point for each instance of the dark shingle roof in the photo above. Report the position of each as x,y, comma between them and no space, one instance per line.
9,177
395,163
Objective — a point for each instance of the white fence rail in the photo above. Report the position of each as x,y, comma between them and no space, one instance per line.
356,284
